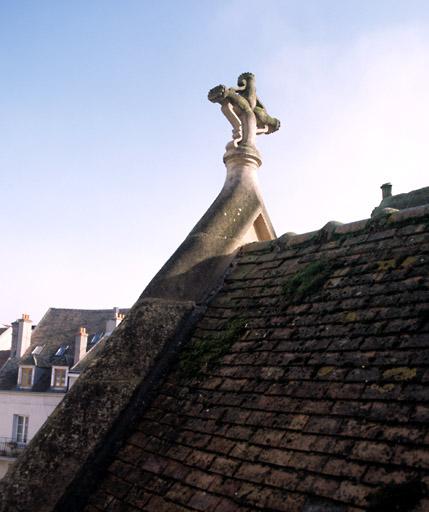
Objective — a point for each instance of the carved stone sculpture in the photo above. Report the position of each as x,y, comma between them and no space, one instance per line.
244,111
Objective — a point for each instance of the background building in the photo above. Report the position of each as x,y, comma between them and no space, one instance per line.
44,363
5,343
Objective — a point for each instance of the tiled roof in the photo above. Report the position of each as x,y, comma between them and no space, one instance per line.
411,199
304,387
58,328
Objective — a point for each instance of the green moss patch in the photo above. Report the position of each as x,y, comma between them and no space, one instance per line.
308,280
202,354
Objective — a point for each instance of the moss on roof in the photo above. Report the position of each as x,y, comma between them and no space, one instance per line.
318,402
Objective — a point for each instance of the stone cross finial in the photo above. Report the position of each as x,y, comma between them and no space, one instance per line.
244,111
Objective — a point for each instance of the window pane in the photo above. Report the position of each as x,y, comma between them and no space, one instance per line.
25,433
59,378
26,376
20,428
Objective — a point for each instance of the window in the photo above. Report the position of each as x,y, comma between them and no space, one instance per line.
36,351
26,376
59,377
20,428
61,350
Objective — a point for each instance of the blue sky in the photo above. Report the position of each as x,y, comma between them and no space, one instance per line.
110,151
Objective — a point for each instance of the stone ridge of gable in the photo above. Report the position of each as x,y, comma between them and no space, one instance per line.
322,401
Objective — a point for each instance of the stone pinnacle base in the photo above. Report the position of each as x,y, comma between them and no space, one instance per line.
244,153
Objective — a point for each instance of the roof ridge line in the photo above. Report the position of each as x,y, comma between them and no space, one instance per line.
334,228
82,309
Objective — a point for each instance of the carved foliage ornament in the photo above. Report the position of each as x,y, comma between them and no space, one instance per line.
244,111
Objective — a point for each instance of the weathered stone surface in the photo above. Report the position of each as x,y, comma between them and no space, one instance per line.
237,216
408,200
245,112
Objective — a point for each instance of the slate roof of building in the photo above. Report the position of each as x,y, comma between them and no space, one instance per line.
90,356
57,328
4,356
303,388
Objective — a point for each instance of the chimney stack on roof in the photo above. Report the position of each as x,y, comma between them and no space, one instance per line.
386,190
114,321
80,343
21,335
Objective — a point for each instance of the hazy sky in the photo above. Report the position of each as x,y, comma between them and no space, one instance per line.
110,151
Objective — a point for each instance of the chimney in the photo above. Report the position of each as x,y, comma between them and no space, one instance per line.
21,335
114,321
80,343
386,190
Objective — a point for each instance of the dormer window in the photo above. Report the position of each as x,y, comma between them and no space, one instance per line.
59,377
26,377
61,350
36,351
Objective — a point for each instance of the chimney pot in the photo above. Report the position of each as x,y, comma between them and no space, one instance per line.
386,190
114,320
21,335
80,343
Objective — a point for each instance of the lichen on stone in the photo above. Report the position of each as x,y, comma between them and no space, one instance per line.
408,261
385,265
402,373
325,370
351,316
386,388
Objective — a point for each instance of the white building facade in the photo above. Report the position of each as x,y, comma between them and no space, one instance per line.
22,414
